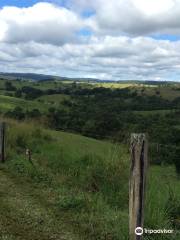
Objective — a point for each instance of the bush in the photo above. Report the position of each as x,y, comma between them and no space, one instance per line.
22,135
16,113
9,86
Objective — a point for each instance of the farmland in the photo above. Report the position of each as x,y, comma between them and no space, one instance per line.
76,186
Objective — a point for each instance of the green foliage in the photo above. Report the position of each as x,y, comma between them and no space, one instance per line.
19,138
18,93
87,179
9,86
176,160
16,113
173,209
73,202
80,173
162,202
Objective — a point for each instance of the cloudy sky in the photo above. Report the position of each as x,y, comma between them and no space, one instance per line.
117,39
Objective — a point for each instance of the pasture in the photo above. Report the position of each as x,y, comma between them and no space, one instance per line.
76,186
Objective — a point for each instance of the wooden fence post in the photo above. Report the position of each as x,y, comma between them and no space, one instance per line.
2,141
138,171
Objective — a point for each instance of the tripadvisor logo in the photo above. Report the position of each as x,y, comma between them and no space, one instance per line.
140,231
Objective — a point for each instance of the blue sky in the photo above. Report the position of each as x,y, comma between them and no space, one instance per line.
27,3
18,3
127,39
166,37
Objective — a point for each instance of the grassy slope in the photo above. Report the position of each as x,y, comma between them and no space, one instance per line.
77,188
9,103
162,201
26,212
71,188
166,92
70,178
42,85
54,100
42,103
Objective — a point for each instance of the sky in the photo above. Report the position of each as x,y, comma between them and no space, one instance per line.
109,40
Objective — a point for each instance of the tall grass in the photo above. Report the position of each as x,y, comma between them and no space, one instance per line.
163,201
89,180
89,177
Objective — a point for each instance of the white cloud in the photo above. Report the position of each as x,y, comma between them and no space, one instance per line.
154,7
42,22
43,39
102,57
134,17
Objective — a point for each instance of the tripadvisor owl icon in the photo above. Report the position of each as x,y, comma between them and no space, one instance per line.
139,231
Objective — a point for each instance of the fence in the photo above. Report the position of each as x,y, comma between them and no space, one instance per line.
2,141
137,181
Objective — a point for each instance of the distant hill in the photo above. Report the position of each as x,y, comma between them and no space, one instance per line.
43,77
28,76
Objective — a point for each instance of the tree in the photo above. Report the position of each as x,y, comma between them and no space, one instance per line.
18,93
9,87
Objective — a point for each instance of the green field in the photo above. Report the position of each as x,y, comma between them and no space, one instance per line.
72,173
9,103
69,190
76,187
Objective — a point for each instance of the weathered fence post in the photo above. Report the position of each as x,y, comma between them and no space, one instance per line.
2,141
138,171
28,154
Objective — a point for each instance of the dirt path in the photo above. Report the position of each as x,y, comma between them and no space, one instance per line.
26,212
